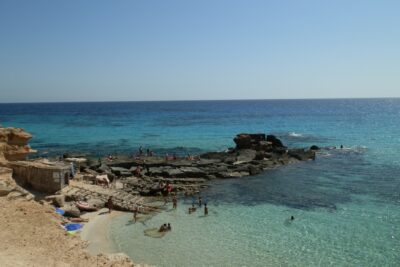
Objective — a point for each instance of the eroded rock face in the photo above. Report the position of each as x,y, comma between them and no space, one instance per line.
9,188
14,144
248,141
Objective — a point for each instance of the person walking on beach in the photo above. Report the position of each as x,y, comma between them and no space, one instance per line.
110,204
174,202
205,209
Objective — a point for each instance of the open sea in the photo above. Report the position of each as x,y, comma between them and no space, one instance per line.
346,203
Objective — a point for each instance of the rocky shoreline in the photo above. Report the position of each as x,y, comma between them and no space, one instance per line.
140,183
141,176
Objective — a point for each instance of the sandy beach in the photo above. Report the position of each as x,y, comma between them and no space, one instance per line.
96,231
34,237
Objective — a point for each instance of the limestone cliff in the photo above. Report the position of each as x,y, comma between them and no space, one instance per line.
14,144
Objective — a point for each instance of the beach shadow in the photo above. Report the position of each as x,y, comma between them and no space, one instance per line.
103,213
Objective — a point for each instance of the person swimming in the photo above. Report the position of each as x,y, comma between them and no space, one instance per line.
192,209
163,228
292,218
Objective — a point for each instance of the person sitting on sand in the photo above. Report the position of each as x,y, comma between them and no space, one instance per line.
205,209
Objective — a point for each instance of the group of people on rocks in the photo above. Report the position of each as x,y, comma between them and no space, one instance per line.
149,153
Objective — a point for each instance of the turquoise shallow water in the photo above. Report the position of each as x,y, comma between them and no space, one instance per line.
346,203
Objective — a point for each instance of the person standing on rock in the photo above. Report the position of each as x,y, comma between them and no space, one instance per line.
110,204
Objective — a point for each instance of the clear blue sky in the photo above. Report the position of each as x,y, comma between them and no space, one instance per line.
175,50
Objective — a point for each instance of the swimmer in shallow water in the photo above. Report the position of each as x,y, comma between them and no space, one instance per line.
292,218
192,208
163,228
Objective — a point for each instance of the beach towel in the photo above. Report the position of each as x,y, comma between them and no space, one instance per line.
73,226
60,211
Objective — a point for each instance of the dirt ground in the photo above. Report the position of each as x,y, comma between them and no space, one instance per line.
31,235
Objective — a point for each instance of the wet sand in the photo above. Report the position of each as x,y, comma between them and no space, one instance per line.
96,231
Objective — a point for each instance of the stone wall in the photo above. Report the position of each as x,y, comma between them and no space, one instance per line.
49,178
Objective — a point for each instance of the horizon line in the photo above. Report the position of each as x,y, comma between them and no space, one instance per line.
198,100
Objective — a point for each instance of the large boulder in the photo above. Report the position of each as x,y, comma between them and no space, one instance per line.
243,141
71,210
314,147
275,142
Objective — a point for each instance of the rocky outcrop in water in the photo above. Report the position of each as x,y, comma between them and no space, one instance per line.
253,154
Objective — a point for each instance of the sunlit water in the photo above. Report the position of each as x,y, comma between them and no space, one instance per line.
346,204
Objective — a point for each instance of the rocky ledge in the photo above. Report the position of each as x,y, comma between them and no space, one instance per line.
253,154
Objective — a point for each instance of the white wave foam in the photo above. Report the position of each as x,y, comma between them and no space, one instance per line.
293,134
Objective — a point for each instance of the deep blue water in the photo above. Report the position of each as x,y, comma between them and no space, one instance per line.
347,201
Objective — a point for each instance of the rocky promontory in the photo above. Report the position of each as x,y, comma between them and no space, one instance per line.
142,175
